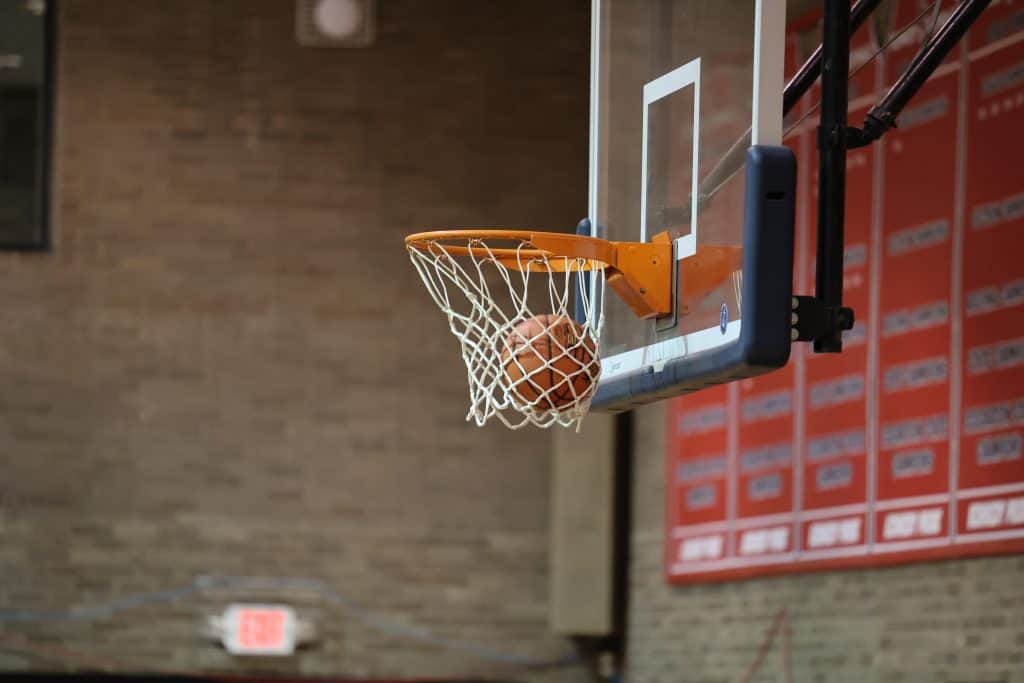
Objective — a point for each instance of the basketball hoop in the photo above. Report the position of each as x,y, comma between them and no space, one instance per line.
508,296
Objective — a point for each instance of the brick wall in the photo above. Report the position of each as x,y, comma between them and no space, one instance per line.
228,366
958,621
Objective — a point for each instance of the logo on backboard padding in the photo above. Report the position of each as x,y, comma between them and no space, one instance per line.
723,318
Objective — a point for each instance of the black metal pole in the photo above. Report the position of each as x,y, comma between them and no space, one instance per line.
811,68
883,115
835,48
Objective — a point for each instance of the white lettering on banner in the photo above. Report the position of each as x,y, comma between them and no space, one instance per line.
1012,293
858,334
986,514
852,281
767,486
700,497
929,522
834,392
994,416
835,445
896,323
980,360
982,301
992,298
917,374
1015,511
778,539
996,449
849,530
764,407
918,237
997,106
753,542
899,525
701,468
1005,27
927,372
1000,211
703,420
832,532
767,457
759,541
855,255
911,320
913,463
1002,80
991,514
834,476
929,110
823,534
909,523
1006,354
701,548
914,432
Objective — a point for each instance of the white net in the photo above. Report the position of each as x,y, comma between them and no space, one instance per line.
528,359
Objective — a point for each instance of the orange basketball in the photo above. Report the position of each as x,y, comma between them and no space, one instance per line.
549,362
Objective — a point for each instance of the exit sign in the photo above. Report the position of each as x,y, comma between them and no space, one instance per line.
259,630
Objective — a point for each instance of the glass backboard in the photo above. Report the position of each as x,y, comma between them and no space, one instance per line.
681,91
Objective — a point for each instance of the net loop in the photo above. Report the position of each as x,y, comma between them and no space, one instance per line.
528,359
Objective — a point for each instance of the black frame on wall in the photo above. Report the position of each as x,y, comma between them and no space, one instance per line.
26,142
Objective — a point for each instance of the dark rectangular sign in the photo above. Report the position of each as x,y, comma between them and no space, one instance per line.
26,104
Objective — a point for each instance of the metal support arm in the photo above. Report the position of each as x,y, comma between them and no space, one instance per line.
823,318
883,115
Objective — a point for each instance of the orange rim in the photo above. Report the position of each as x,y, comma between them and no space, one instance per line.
640,272
543,244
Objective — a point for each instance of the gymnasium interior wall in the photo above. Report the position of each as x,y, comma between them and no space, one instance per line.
227,365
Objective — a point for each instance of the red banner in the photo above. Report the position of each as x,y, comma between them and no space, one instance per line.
908,445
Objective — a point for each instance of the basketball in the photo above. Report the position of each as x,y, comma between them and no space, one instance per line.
549,362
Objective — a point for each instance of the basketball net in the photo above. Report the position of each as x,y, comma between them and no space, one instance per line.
498,304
